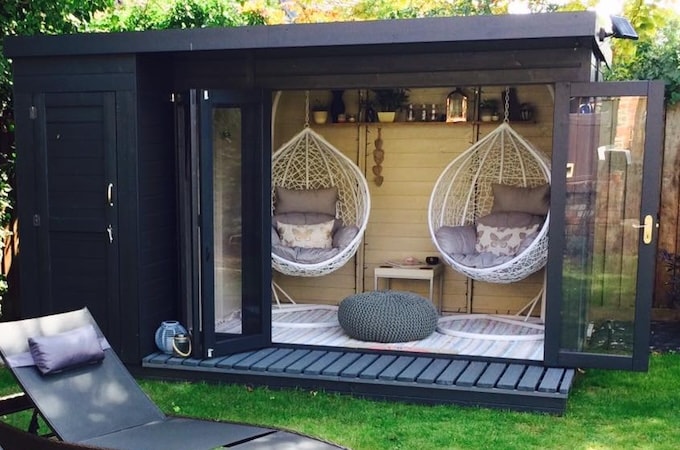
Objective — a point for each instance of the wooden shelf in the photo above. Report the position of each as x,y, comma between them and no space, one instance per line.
402,123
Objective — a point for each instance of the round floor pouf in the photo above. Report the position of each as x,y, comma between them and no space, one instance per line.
387,316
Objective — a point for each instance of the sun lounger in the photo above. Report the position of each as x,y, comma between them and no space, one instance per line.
82,390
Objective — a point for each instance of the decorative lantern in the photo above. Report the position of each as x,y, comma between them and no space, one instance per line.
456,106
165,334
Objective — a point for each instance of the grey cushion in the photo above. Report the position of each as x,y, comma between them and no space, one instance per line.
304,255
510,220
65,350
344,235
460,239
387,316
306,200
481,260
535,200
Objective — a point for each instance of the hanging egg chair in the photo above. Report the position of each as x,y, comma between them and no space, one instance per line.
316,191
498,191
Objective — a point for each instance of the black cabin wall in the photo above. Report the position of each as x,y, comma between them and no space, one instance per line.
158,246
62,77
314,69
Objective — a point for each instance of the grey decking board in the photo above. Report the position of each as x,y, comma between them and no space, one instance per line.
354,369
433,371
393,370
340,364
511,377
377,366
530,379
266,362
551,380
158,358
319,365
471,374
414,369
291,358
305,361
567,381
229,361
491,375
246,363
191,362
452,372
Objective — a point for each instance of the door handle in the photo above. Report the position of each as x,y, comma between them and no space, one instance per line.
109,194
109,230
647,228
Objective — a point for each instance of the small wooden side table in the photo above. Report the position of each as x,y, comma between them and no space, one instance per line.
433,274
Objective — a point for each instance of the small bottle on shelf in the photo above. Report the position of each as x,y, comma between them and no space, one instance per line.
410,117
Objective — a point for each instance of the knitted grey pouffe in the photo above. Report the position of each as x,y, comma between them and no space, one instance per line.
387,316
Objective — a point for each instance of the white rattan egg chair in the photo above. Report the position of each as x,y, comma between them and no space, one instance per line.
308,161
463,194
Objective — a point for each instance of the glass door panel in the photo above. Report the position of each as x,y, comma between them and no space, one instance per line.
604,184
234,264
226,143
602,263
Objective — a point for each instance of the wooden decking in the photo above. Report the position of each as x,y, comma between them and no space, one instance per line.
404,377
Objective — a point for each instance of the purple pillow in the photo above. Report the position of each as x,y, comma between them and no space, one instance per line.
66,350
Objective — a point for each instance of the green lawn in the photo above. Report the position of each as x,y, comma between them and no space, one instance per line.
606,410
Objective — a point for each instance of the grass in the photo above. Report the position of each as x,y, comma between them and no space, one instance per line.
606,410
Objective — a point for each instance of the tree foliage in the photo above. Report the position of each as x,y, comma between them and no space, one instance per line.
178,14
656,54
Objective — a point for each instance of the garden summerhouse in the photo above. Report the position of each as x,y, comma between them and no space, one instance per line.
145,193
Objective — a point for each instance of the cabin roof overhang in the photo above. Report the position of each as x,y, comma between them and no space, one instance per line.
556,30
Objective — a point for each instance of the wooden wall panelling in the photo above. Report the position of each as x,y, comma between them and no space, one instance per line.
669,228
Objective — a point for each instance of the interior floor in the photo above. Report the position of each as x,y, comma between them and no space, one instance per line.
461,334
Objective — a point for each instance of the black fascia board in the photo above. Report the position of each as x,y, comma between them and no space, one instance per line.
454,30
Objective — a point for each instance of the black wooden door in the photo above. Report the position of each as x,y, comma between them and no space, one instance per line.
224,166
604,207
77,210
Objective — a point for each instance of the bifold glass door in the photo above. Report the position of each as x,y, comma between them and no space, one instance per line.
226,213
605,201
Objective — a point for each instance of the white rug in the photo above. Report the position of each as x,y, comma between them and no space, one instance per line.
462,334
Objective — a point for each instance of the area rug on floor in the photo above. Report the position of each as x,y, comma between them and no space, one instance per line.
317,325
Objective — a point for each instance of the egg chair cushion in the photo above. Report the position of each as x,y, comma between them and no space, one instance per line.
532,200
387,316
510,219
306,200
344,235
319,235
459,239
503,241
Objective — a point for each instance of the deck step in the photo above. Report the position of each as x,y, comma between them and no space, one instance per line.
427,379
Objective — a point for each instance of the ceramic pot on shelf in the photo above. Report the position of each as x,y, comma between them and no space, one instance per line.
386,116
320,117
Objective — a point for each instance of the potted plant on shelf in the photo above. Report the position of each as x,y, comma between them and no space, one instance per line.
389,101
487,109
319,112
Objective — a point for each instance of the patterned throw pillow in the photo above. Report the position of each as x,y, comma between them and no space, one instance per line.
502,241
319,235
